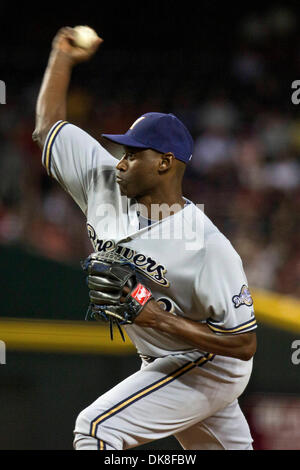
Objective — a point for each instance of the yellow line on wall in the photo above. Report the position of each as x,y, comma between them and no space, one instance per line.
62,336
91,337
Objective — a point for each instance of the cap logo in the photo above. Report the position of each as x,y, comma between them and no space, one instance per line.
135,122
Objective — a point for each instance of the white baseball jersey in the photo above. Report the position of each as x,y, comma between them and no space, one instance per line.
189,265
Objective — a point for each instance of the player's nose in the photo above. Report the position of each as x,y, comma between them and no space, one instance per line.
122,165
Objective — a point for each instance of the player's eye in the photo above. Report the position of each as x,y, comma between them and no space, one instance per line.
125,154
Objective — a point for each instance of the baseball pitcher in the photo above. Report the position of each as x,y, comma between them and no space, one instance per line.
160,269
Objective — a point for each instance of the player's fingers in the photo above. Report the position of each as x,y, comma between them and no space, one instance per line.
93,48
96,44
126,291
65,33
103,283
68,30
104,298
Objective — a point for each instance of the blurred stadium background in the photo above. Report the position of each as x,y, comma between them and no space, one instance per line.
227,72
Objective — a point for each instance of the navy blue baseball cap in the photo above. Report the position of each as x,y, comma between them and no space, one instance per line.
158,131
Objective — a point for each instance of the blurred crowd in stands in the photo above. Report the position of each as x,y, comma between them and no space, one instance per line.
245,167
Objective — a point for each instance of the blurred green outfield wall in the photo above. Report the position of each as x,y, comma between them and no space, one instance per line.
35,287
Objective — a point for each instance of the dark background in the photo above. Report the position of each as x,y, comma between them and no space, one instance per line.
161,46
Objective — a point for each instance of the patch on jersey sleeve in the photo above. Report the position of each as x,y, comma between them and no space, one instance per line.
244,298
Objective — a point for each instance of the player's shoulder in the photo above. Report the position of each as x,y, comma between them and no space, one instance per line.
209,229
215,243
219,248
66,130
73,138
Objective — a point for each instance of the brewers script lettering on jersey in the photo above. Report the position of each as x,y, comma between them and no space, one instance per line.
185,392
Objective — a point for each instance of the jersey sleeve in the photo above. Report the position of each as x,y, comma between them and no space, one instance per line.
74,158
222,290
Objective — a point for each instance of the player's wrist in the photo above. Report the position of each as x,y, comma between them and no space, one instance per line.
60,59
151,315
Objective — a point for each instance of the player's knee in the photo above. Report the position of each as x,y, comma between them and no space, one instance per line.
86,427
82,436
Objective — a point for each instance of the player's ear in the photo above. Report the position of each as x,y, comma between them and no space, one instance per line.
166,161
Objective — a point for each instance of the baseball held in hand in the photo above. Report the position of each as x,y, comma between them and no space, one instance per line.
84,36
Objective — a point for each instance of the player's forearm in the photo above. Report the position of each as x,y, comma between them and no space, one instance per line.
199,335
52,98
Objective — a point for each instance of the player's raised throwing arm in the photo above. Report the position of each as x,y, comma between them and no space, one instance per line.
51,103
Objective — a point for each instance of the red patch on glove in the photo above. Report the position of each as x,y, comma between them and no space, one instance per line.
141,294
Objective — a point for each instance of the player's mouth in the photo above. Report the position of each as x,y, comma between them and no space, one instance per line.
122,184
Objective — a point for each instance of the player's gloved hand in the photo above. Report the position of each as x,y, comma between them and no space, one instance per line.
108,279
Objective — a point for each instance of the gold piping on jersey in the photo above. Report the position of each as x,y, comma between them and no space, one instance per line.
49,143
143,392
101,445
249,325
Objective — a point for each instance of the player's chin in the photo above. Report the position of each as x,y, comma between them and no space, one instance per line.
122,186
126,190
130,194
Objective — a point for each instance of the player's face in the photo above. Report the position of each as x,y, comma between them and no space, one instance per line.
136,172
